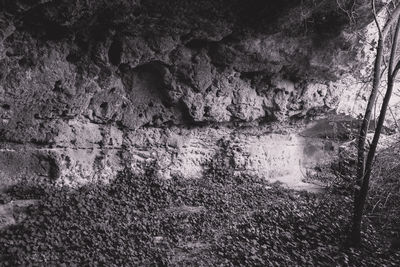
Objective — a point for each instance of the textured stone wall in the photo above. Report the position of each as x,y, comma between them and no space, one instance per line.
88,88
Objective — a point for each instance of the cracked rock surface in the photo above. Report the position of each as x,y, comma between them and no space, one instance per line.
88,88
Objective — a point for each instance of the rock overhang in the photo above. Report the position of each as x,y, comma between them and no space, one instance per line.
90,87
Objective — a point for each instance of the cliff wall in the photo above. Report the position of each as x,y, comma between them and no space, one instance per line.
88,88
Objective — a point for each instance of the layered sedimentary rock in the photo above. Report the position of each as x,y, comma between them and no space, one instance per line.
88,88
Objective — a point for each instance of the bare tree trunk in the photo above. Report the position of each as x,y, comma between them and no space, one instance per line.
363,193
375,86
356,228
364,169
368,112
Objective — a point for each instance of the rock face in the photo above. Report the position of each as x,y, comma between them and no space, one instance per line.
88,88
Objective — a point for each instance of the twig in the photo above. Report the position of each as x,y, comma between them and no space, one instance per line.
373,209
392,114
376,18
384,205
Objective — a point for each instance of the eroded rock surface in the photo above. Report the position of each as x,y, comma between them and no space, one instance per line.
14,212
88,88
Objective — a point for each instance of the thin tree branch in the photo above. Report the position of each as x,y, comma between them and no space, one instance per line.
394,48
376,18
393,18
393,116
396,69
